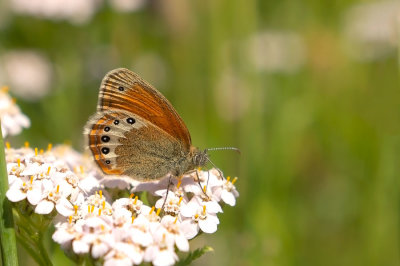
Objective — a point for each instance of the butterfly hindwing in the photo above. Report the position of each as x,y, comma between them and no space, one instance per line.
121,89
124,144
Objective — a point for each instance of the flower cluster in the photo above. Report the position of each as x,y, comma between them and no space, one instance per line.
125,231
12,120
44,180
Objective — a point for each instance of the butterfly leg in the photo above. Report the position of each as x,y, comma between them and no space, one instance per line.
166,196
198,181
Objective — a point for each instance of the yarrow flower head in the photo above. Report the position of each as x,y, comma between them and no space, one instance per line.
12,120
124,230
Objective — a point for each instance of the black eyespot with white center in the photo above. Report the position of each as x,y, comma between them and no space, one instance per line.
116,122
121,88
106,129
105,150
108,161
130,120
105,138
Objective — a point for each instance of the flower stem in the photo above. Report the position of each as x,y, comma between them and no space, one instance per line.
7,232
42,250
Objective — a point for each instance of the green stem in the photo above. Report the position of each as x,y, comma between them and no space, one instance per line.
32,241
43,250
30,247
30,235
7,232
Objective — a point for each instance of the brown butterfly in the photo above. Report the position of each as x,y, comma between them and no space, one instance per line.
136,132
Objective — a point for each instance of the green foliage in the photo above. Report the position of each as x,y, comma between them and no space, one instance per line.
194,255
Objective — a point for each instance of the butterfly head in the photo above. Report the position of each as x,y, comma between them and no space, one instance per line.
199,157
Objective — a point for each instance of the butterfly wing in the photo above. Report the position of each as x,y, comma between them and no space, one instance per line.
125,144
123,90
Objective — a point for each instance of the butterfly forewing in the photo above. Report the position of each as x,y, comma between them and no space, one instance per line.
121,89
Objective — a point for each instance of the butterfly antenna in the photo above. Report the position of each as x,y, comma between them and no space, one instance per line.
224,148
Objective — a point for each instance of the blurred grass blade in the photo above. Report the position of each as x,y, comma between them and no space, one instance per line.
7,232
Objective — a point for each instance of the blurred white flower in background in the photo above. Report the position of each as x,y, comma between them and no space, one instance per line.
277,51
232,96
28,73
74,11
12,120
371,30
127,5
77,12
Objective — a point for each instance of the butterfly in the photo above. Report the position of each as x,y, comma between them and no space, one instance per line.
136,131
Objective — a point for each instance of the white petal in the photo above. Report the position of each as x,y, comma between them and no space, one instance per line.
61,236
189,209
44,207
208,226
11,179
135,255
31,169
64,207
150,253
213,218
34,195
213,207
141,238
99,250
118,262
228,198
80,247
189,228
164,258
15,195
181,242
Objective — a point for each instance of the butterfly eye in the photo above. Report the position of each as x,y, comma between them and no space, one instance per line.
105,138
106,129
121,88
105,150
116,122
130,120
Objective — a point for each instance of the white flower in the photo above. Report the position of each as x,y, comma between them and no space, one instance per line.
161,253
74,11
200,218
277,51
55,195
127,5
371,29
171,228
176,198
20,190
97,233
67,232
131,204
35,69
124,254
96,205
227,192
12,120
139,231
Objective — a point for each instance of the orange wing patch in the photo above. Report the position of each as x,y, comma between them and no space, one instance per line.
95,146
121,89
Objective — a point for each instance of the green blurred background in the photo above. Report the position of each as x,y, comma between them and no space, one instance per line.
308,90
